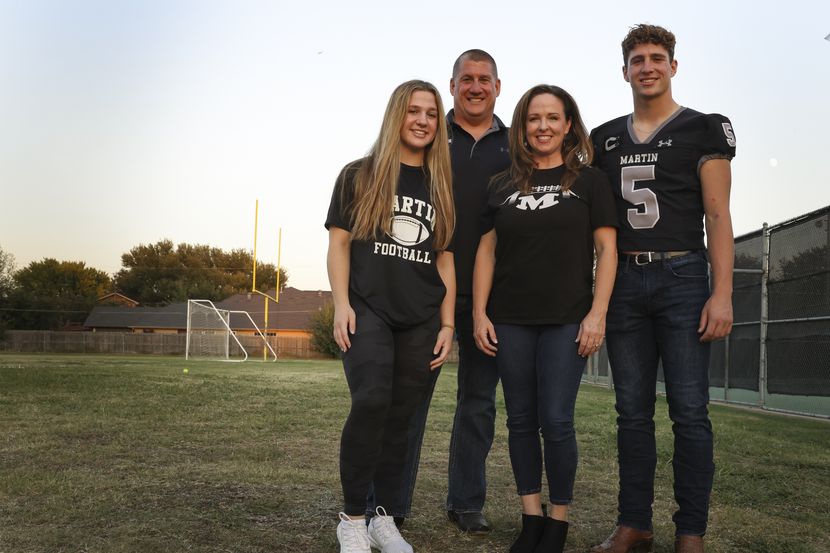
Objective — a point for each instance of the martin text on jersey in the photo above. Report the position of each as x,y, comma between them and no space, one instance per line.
638,158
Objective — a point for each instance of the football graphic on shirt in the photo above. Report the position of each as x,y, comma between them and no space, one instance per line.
408,231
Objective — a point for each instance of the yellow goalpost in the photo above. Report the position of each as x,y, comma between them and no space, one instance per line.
266,297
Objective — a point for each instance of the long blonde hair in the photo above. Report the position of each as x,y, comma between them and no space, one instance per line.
376,180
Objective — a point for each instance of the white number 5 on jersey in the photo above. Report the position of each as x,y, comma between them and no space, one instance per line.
730,134
647,212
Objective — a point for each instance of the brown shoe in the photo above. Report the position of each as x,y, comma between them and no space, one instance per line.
625,539
688,544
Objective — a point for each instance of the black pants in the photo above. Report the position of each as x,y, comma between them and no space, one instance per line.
472,430
387,370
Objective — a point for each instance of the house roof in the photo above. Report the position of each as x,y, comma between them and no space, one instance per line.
117,297
291,313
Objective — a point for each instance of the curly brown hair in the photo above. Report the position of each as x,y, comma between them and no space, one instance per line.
648,34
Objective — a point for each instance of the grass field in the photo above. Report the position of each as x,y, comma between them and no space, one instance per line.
115,454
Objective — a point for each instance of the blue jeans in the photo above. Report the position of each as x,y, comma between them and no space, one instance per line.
473,426
540,372
653,315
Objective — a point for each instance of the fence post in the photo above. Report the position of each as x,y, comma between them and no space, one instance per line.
594,368
588,367
762,358
610,379
726,369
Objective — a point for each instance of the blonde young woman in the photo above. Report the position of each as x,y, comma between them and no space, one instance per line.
392,277
533,304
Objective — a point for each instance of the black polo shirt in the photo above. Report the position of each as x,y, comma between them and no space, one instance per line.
473,164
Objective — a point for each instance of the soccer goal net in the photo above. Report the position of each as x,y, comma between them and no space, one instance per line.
210,336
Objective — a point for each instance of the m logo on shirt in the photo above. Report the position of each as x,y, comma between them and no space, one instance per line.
531,202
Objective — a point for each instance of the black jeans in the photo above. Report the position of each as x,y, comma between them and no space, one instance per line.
473,426
387,370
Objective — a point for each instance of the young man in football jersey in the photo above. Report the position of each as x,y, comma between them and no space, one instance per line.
670,170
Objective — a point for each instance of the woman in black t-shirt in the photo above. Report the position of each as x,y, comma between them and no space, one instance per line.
392,277
532,287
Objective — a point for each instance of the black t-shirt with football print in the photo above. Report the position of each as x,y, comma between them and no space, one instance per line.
656,182
396,276
545,246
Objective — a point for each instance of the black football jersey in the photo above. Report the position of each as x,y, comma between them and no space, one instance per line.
657,182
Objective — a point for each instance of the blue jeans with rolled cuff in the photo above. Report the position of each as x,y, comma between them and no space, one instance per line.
653,316
540,371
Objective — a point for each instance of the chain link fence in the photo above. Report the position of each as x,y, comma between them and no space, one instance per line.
778,355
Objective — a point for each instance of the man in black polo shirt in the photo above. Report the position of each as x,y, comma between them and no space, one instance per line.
479,149
478,145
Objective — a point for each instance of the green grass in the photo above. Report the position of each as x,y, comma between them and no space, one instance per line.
114,454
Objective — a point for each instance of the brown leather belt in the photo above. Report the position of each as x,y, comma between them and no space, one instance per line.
644,258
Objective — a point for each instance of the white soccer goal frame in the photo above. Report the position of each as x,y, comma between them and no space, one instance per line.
209,304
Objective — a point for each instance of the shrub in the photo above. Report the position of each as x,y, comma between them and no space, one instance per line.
321,325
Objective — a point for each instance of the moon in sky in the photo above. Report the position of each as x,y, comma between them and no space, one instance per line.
773,162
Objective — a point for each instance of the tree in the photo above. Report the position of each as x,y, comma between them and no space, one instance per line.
800,287
321,325
6,274
162,273
48,294
6,288
804,263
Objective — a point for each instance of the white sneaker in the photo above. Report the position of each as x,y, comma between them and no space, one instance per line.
384,535
352,535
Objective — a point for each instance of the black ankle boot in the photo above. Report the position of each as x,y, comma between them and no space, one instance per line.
553,538
532,528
